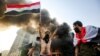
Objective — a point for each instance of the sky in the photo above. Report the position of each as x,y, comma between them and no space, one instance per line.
69,11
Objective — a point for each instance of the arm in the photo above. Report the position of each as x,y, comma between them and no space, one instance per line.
76,51
54,33
31,50
40,31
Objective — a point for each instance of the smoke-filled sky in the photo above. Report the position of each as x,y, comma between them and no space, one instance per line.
9,25
87,11
17,20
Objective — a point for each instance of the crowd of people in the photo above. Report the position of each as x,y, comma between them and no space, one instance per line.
62,42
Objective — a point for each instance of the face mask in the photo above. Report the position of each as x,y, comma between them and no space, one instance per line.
76,30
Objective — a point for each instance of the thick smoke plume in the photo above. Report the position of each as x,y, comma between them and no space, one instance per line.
18,20
42,18
47,22
6,21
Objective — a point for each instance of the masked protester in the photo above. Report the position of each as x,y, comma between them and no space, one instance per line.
85,39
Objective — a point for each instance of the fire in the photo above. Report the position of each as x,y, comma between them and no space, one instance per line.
7,37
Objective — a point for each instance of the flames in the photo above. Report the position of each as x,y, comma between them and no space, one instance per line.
7,37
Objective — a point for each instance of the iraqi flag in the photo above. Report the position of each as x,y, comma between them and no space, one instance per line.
91,34
17,9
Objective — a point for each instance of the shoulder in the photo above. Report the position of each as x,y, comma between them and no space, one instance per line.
91,28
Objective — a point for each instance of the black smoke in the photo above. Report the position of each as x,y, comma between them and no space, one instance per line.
48,22
63,30
13,20
42,18
16,20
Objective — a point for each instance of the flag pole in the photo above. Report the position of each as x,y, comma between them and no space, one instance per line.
40,26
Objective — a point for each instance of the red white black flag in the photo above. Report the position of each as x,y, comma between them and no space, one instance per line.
16,9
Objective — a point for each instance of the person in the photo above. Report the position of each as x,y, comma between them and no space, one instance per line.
45,45
63,41
85,39
28,33
35,50
97,49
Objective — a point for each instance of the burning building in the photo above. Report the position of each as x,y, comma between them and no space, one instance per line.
23,38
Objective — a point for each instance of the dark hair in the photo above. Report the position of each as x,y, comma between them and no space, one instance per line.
63,30
46,38
79,23
38,38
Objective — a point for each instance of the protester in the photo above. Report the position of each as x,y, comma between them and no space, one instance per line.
27,33
97,49
85,40
35,50
45,45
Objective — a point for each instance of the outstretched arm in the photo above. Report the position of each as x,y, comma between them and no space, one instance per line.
54,33
40,31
